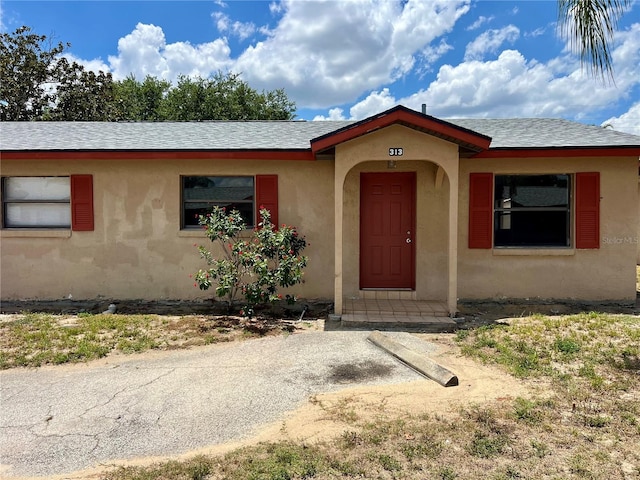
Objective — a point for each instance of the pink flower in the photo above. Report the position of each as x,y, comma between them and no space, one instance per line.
195,284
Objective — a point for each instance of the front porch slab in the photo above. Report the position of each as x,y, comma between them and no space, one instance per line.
431,316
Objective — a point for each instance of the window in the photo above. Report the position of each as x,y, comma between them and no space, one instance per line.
48,202
243,193
36,202
532,210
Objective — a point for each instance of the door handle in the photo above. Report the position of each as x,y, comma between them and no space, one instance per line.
408,240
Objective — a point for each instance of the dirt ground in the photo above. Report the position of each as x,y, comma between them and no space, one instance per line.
324,416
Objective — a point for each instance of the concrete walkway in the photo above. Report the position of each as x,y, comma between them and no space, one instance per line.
58,420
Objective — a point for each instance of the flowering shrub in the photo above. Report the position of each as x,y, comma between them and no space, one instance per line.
253,268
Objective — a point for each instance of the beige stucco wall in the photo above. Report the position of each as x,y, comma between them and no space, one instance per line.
607,273
137,250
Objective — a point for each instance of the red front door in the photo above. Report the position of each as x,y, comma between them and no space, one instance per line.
387,224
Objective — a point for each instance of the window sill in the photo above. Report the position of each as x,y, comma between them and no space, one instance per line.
28,233
537,252
199,233
191,233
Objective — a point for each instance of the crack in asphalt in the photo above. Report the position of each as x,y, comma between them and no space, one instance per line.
127,388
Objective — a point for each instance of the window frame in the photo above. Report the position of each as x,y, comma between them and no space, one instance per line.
184,201
569,210
6,202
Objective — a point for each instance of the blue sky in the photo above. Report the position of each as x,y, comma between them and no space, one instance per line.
352,59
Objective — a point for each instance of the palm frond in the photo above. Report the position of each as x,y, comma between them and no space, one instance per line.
590,25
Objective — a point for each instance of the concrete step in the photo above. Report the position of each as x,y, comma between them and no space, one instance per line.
430,324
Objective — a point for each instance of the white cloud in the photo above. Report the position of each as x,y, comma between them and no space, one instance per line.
512,86
376,101
334,114
432,53
490,41
480,21
328,53
242,30
145,52
222,21
535,33
94,65
628,122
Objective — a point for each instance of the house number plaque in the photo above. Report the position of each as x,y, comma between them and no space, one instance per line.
396,151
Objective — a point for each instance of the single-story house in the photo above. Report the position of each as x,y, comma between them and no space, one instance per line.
400,205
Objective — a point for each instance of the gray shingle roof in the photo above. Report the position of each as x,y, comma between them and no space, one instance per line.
162,135
279,135
545,132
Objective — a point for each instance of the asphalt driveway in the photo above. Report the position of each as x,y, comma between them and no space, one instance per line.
58,420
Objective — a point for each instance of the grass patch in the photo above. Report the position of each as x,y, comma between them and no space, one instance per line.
36,339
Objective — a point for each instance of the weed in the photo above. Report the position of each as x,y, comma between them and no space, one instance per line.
596,421
588,371
447,473
486,445
462,335
540,448
567,346
578,466
389,463
526,411
351,439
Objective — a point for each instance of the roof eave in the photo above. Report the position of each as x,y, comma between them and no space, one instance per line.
144,154
400,115
573,151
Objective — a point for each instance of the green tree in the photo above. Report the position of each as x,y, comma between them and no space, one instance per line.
224,97
28,68
37,83
83,95
590,26
141,101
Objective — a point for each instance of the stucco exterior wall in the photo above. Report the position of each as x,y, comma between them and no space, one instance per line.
607,273
137,250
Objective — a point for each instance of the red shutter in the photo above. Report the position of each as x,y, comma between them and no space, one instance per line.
481,210
588,210
267,196
81,203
